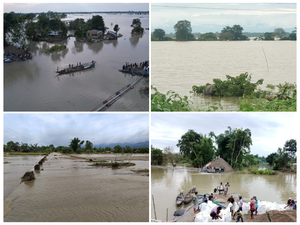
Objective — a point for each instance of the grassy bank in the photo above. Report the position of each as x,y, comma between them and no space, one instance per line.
22,153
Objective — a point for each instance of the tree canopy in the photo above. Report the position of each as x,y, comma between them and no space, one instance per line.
196,147
159,34
183,31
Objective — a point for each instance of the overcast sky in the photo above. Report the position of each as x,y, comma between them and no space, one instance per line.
269,131
58,129
73,7
213,17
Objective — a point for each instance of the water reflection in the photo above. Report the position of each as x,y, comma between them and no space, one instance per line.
91,87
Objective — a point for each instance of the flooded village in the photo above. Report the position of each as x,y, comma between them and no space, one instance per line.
71,62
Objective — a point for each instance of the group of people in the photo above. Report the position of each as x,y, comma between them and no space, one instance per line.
215,212
215,169
142,65
222,188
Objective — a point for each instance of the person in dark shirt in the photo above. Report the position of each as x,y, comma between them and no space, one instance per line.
211,197
204,199
231,200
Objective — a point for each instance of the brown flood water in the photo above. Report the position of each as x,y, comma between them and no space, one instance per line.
68,189
178,66
166,183
32,85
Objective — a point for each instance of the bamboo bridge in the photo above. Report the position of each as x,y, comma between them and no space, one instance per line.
112,99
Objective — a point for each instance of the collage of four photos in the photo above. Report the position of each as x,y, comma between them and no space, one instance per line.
150,112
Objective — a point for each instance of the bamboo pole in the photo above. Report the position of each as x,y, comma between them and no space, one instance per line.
167,215
154,207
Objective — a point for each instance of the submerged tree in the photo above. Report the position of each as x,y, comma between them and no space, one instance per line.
159,34
183,31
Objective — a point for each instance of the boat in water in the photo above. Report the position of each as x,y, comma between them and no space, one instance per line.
180,198
82,66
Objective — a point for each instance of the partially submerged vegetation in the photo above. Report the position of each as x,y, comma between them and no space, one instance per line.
281,97
112,163
257,171
238,86
56,48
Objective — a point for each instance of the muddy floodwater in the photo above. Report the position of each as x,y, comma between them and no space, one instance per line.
69,189
33,85
178,66
167,183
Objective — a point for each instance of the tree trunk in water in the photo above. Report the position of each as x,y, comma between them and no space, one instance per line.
240,151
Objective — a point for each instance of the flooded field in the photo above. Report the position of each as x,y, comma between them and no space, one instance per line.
69,189
166,183
33,85
180,65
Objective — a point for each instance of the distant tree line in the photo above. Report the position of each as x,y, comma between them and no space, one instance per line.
183,32
20,29
75,146
233,146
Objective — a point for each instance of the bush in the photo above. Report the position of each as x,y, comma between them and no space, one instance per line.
56,48
233,86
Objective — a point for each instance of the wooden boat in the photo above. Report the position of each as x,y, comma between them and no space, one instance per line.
135,71
180,198
80,67
188,197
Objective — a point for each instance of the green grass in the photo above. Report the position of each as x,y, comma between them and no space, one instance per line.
23,153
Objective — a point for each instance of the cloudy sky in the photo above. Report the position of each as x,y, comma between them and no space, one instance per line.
213,17
269,130
73,7
58,129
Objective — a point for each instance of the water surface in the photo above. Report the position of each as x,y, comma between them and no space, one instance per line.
167,183
180,65
33,85
69,189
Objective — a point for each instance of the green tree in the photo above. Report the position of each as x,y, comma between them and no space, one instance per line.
271,159
293,35
118,149
116,28
128,149
234,145
196,147
12,146
279,33
76,144
88,145
156,156
183,31
290,147
98,23
66,150
208,37
232,33
108,149
268,36
159,34
10,24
